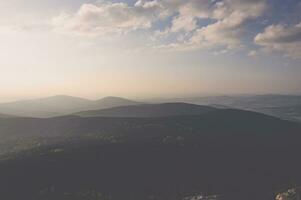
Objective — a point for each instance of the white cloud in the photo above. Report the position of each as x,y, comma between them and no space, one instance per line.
109,18
228,29
282,38
227,21
183,23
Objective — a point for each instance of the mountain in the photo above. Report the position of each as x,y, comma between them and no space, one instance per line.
6,116
149,110
110,102
283,106
237,100
232,153
45,107
58,106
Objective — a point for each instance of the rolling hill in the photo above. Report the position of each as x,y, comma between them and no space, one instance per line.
59,105
110,102
149,110
217,122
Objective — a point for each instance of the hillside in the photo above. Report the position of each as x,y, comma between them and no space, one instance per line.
233,153
165,170
223,153
224,122
150,110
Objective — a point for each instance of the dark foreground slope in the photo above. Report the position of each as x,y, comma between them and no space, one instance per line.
145,169
236,154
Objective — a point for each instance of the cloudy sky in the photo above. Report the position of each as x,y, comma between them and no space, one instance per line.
149,48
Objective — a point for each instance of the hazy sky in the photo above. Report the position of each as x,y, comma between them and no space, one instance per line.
146,48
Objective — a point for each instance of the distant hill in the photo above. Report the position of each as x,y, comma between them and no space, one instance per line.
283,106
287,112
233,153
6,116
150,110
59,105
45,107
241,100
110,102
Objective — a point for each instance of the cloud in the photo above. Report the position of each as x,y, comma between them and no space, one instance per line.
227,29
109,18
224,28
282,38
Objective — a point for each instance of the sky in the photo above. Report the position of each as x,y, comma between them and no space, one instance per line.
149,48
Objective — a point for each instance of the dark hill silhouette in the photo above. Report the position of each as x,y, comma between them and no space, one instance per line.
149,110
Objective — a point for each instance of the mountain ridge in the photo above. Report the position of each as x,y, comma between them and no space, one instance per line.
218,121
59,105
149,110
